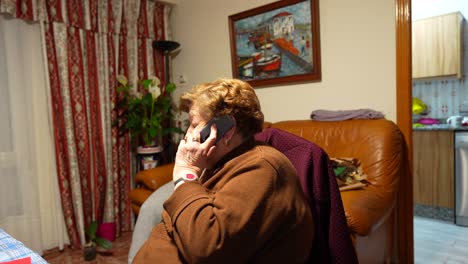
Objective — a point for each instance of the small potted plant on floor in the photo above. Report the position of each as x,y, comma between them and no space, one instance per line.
93,240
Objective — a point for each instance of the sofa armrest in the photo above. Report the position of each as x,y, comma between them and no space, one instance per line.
384,162
148,181
154,178
366,209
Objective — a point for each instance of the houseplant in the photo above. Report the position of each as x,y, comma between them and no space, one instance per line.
92,241
145,110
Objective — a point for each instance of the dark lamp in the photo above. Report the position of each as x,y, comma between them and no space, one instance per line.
166,46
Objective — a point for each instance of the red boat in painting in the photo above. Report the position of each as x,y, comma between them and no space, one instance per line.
246,68
265,60
260,62
268,64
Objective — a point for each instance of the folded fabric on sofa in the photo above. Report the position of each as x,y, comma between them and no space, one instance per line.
339,115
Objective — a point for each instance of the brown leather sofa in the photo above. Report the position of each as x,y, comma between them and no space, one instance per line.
371,211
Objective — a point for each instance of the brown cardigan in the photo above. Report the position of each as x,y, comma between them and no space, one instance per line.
251,209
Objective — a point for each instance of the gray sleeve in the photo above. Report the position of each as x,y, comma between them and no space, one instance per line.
149,216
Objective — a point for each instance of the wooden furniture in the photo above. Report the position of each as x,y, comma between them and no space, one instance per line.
433,168
437,46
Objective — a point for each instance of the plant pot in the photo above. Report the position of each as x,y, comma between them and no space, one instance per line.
149,164
149,150
149,156
89,252
107,231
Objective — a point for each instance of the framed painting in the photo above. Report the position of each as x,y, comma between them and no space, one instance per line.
277,43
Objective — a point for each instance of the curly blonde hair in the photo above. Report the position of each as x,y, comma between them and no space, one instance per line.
227,97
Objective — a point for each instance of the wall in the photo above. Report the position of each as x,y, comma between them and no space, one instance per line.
357,46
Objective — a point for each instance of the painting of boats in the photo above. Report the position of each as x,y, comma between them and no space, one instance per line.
276,43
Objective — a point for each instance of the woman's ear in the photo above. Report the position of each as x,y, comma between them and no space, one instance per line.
229,134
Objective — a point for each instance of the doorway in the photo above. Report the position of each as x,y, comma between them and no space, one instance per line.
403,19
405,229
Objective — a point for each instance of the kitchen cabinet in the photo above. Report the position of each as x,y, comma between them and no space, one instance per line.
437,46
433,168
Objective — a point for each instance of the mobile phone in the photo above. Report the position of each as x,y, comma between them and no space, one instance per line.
223,124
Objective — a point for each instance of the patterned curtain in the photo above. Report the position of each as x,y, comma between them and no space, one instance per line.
88,43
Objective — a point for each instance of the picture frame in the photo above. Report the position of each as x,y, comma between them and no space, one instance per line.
277,43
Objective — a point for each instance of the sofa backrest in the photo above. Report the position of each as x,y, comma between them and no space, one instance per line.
382,150
377,143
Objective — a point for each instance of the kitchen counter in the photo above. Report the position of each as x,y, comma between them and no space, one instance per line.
442,127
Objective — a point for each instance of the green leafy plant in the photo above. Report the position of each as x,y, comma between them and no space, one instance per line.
93,239
146,110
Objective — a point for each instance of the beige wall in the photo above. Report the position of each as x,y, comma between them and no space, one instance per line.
357,46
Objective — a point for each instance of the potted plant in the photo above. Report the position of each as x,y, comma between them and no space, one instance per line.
147,112
93,240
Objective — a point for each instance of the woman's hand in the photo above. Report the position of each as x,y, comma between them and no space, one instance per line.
192,156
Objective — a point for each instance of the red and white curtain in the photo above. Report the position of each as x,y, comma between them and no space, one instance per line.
88,43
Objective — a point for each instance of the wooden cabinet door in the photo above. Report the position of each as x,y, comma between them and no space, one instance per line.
433,168
437,46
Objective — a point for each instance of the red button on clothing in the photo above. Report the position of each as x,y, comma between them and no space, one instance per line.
190,177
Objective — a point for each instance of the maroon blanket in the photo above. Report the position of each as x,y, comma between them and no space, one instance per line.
332,242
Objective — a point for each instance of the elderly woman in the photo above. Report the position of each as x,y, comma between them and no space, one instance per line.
235,200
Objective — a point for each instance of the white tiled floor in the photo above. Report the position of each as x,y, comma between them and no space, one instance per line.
439,242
